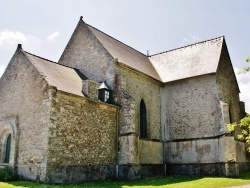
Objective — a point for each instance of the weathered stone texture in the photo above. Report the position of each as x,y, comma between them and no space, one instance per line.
150,152
241,153
87,54
227,84
191,109
129,172
9,126
196,151
23,94
211,169
128,149
148,170
90,89
82,132
65,174
131,88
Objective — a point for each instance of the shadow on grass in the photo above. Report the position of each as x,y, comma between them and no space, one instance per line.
245,176
152,181
144,182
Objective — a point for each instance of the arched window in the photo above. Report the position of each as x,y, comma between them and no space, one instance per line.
7,149
143,120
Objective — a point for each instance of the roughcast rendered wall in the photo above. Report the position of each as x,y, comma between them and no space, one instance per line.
191,109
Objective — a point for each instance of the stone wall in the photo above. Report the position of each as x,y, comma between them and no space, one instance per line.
150,152
191,109
131,88
195,151
211,156
9,126
228,86
87,54
82,140
23,95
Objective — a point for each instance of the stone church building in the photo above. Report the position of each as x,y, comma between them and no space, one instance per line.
106,111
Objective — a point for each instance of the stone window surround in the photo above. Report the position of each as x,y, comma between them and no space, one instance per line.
8,126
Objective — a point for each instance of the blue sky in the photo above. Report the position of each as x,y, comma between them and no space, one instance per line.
44,27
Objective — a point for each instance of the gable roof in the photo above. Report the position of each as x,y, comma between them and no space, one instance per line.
63,78
185,62
125,54
189,61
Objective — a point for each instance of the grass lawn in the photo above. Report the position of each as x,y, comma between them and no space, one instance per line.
156,182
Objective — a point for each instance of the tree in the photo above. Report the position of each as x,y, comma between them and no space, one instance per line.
244,125
245,69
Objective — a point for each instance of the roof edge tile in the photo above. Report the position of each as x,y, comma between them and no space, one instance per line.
188,45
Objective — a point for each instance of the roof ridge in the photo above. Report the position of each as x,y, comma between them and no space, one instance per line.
117,40
49,60
40,57
188,45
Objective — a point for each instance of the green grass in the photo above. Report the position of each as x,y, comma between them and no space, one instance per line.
156,182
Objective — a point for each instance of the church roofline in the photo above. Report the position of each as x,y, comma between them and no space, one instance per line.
77,70
187,46
116,40
43,58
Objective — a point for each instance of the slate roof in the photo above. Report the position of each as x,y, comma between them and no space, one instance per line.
63,78
189,61
126,54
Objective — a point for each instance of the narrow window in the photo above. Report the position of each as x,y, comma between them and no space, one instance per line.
7,149
143,120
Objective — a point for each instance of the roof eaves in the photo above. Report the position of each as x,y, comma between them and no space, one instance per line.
129,67
187,46
174,80
82,76
160,79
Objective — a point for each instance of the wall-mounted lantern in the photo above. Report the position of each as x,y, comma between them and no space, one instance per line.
105,93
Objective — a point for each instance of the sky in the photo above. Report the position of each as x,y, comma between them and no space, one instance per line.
44,27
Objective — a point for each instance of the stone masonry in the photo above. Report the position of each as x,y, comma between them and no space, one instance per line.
156,115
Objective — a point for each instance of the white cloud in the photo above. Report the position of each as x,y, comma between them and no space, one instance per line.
12,37
190,40
53,35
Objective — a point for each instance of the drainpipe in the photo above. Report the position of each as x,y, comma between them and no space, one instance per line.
117,143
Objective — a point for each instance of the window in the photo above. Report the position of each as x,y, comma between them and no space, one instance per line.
106,96
143,120
7,149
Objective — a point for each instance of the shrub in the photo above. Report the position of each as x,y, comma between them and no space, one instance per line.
7,174
244,126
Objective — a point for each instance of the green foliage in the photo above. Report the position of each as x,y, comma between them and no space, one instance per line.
7,174
244,125
245,69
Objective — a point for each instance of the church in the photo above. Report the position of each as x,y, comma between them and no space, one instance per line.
106,111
